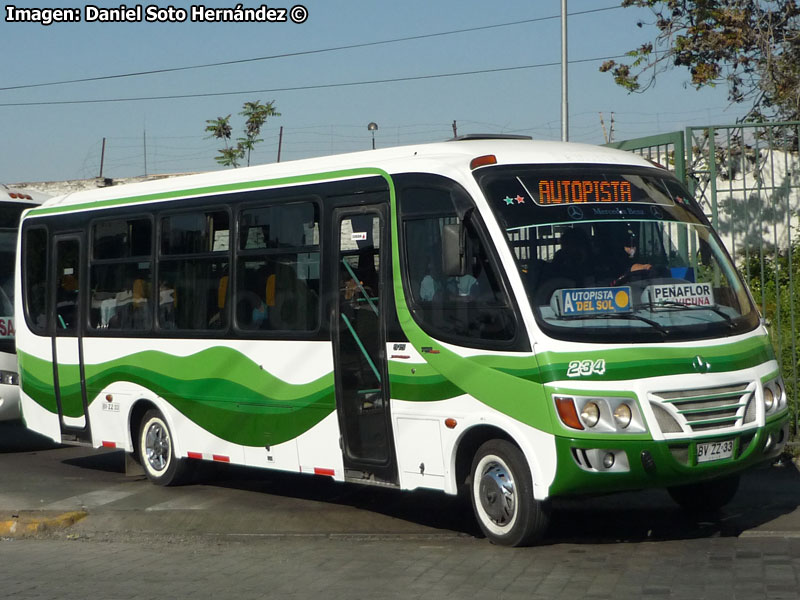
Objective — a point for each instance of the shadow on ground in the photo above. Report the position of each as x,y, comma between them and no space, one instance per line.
766,493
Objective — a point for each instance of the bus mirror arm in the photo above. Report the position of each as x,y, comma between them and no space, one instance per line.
454,263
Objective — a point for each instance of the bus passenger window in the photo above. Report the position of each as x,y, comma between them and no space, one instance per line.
120,297
120,275
194,271
472,308
277,285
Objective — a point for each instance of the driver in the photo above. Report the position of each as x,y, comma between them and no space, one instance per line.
636,265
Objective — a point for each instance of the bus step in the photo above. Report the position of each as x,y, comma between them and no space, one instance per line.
71,439
367,478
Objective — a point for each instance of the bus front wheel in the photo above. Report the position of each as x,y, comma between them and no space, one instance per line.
501,489
157,451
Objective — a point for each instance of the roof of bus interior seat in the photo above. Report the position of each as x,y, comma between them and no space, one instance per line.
433,157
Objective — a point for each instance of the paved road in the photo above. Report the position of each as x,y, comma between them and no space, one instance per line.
240,533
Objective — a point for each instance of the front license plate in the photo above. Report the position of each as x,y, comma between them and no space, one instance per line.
709,451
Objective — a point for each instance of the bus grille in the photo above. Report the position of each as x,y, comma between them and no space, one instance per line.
704,410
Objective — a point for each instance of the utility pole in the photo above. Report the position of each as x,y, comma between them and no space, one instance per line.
564,95
455,129
102,157
144,138
608,136
280,143
603,126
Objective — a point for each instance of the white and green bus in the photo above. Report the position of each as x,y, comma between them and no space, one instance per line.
514,319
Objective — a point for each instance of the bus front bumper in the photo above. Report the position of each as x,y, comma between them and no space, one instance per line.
598,466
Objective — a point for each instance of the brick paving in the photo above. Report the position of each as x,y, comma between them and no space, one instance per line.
247,534
350,567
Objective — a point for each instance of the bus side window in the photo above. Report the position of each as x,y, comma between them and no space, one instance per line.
120,275
471,308
277,285
194,270
35,284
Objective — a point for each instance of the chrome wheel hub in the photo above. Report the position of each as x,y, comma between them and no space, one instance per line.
157,447
496,494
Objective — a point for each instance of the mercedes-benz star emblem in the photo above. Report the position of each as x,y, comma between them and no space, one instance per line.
575,213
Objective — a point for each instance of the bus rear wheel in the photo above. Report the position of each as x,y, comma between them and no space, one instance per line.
157,451
502,496
705,496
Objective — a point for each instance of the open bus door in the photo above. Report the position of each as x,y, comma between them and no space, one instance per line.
358,328
68,373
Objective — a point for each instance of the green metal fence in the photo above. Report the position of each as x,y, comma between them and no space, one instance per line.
747,179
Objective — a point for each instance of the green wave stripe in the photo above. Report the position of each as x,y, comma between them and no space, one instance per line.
654,361
226,393
487,376
219,389
424,385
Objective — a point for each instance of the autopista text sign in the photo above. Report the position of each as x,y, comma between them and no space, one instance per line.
589,301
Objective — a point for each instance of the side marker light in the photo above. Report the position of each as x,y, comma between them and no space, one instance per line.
567,412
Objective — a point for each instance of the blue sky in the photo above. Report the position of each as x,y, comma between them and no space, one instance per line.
55,142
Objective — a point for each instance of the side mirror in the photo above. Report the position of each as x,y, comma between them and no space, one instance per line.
454,259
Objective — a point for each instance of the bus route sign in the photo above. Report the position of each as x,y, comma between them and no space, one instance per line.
590,301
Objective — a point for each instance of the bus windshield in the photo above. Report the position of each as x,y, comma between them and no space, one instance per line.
616,253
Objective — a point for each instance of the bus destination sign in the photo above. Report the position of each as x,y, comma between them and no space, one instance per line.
575,191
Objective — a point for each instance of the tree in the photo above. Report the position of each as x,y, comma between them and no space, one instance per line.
256,115
753,46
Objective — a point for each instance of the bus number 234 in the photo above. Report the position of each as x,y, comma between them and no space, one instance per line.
584,368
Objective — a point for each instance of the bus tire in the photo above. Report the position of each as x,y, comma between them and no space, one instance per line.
501,489
705,496
156,449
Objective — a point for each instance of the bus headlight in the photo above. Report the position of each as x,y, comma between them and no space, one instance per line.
779,393
623,415
590,414
774,396
600,414
769,399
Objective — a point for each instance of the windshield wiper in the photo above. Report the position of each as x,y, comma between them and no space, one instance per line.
672,304
625,316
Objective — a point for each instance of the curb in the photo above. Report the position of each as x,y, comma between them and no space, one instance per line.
29,524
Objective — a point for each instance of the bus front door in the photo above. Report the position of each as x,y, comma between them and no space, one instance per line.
70,388
362,397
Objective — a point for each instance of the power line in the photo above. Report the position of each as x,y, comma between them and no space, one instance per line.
303,88
301,53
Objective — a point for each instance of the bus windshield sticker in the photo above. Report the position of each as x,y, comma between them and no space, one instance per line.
579,302
670,294
358,236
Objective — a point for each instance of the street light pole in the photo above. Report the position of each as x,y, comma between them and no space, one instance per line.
373,127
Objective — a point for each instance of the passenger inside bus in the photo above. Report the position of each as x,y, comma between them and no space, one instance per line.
574,259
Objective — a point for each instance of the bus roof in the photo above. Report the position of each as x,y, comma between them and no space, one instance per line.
441,157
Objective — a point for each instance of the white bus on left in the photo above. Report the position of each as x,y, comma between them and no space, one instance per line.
13,201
